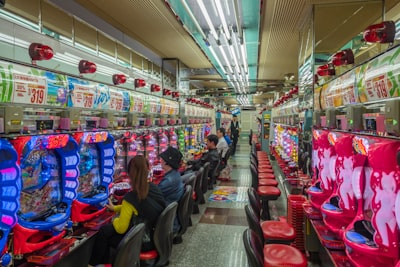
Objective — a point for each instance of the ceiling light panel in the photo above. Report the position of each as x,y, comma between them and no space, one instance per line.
218,21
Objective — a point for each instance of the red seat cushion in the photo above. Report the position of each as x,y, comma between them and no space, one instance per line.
264,166
269,182
266,176
149,255
265,170
278,230
268,191
283,255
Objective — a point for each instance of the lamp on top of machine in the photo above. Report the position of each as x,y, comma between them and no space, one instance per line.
96,169
10,189
380,121
49,167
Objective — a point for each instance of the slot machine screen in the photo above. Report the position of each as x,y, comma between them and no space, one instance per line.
370,124
89,169
41,184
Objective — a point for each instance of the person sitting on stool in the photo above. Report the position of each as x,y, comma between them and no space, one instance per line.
143,204
171,185
211,156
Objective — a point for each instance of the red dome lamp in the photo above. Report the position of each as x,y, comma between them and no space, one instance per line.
140,83
326,70
166,92
155,88
343,57
40,52
175,94
86,66
119,79
383,32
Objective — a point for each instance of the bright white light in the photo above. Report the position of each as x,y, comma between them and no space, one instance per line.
208,20
216,58
222,16
196,23
225,58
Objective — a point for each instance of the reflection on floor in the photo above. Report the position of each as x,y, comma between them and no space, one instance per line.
215,239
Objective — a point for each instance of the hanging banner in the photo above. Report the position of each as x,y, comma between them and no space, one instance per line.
82,93
119,100
26,85
379,78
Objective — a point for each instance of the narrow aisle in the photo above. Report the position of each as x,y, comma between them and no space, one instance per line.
215,239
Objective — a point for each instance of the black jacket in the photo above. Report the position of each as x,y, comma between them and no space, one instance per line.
211,156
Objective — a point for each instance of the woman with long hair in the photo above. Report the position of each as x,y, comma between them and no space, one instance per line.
143,204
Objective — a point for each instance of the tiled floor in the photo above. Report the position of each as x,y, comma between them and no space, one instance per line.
215,239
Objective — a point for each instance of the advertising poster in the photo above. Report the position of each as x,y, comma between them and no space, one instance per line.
82,93
379,78
26,85
119,100
102,99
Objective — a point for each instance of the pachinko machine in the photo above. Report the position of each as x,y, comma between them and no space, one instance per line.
49,168
10,189
96,169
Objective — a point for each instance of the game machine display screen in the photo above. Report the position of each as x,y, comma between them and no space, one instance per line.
120,184
152,153
49,171
173,138
163,141
96,169
10,189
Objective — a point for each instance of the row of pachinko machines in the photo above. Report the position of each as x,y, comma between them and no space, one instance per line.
53,188
354,200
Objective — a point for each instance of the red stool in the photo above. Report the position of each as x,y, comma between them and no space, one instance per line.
265,170
271,255
266,176
276,232
266,194
267,182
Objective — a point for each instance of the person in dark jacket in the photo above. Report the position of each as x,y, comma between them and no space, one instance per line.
235,133
144,203
171,184
211,156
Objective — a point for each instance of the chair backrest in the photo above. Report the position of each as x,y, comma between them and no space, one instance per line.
254,248
254,221
254,200
254,176
204,183
189,179
215,173
128,250
183,209
163,233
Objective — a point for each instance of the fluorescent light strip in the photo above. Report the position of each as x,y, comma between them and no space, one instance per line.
222,17
216,58
196,23
208,20
225,58
233,54
244,58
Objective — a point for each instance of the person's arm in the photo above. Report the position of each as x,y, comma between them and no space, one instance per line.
127,210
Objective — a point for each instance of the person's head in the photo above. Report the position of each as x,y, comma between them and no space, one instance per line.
138,170
170,159
234,117
212,141
221,132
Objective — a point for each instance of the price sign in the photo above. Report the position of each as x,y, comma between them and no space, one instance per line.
83,96
116,100
29,89
376,87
